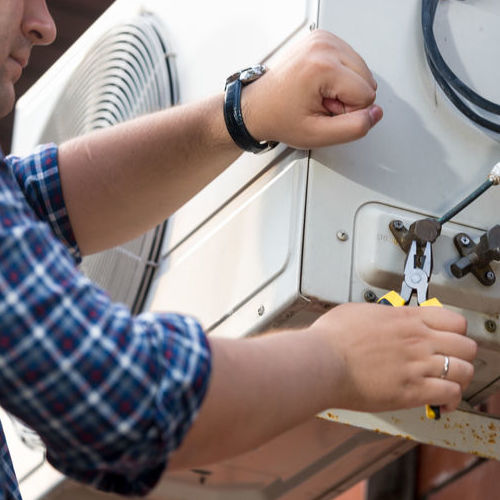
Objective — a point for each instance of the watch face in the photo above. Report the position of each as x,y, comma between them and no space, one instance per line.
250,74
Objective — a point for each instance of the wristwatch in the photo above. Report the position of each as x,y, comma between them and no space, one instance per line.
232,110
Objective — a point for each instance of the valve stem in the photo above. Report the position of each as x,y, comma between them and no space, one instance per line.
493,180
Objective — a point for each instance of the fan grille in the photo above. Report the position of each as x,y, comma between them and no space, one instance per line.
127,73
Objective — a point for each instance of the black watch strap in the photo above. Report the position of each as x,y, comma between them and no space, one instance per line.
234,121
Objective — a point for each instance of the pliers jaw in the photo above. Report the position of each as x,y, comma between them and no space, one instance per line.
417,273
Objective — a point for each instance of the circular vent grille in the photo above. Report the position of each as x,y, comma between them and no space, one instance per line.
125,74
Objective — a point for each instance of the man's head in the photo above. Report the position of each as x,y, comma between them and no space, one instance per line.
23,23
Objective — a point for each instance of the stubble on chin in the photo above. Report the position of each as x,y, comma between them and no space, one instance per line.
6,106
7,96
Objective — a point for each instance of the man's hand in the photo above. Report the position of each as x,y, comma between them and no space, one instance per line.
365,357
320,93
393,358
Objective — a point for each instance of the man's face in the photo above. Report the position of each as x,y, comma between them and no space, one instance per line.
23,23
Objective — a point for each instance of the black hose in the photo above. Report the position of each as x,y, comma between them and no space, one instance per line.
450,83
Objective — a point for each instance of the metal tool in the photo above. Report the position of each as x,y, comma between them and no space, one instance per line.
492,180
418,269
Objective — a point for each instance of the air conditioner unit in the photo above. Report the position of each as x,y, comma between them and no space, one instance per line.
278,239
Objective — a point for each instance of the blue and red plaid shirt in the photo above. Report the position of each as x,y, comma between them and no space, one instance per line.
111,395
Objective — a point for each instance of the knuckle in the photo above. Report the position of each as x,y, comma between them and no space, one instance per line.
455,394
410,313
462,323
371,96
469,373
473,349
319,41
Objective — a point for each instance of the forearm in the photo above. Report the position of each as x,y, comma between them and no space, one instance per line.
260,387
358,356
121,181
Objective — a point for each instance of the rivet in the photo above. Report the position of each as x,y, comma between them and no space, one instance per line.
370,296
342,236
489,275
261,310
312,26
398,225
465,240
490,326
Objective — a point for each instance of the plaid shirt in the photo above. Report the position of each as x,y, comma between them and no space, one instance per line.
111,395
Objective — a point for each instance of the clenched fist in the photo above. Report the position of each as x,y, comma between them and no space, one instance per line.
320,93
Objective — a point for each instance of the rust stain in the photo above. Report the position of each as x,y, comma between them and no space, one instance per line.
332,416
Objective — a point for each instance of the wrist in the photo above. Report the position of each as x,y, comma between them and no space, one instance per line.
253,116
330,364
237,113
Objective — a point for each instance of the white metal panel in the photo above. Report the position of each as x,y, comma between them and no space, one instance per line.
213,39
253,243
424,156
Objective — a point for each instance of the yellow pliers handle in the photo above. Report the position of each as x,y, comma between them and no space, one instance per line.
393,299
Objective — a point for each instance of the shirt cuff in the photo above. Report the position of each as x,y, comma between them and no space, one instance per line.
38,178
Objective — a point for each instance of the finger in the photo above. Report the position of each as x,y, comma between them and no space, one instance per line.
334,106
453,344
439,318
439,392
347,86
327,130
459,371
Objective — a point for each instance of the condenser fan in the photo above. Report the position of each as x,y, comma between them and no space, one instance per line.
127,73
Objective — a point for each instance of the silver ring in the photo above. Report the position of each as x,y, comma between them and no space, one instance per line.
446,367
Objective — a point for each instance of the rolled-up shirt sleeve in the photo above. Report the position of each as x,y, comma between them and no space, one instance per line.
38,178
110,394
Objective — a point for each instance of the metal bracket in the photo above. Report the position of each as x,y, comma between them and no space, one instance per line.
463,430
476,258
421,231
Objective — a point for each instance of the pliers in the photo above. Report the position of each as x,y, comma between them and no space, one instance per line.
417,273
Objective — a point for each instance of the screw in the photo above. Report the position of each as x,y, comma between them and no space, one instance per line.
465,240
370,296
398,225
261,310
342,236
312,26
489,276
490,326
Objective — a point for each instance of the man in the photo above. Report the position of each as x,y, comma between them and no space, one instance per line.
115,398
